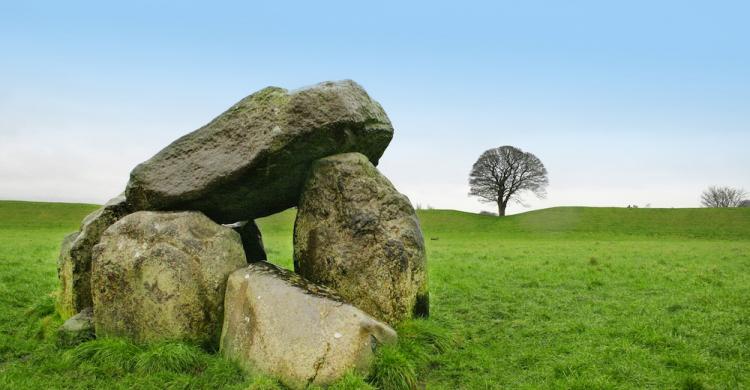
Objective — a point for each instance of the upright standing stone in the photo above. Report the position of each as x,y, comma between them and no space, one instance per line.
356,234
74,263
162,276
252,240
251,161
304,334
68,299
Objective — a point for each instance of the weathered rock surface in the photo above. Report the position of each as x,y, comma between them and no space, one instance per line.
280,324
252,240
162,276
74,263
77,329
356,234
251,161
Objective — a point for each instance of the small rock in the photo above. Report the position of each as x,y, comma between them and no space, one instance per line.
77,329
301,333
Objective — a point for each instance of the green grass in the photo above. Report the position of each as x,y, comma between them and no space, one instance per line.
557,298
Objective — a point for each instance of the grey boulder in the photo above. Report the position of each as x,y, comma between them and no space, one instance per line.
359,236
299,332
74,263
162,276
251,161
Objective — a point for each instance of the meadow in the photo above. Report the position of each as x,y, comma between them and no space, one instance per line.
574,298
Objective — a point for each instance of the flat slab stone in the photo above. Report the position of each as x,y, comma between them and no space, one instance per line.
302,333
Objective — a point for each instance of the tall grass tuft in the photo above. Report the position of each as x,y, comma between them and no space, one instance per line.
42,308
391,370
431,336
108,354
41,319
351,381
219,373
692,383
262,382
420,343
171,356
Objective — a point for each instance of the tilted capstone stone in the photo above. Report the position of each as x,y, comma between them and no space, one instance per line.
356,234
251,161
162,276
304,334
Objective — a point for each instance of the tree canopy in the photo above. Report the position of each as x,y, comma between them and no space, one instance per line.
503,174
723,197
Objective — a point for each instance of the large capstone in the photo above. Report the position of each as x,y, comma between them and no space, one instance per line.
251,161
299,332
356,234
162,276
74,263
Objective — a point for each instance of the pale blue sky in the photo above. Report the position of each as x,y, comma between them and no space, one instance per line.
630,102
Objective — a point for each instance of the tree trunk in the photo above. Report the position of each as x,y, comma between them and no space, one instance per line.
501,209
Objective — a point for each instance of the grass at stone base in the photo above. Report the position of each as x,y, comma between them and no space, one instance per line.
558,298
30,235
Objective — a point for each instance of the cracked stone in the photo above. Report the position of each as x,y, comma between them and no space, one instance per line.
289,332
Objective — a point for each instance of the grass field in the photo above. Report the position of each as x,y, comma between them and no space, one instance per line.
558,298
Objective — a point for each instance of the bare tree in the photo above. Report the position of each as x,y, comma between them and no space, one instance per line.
503,173
722,197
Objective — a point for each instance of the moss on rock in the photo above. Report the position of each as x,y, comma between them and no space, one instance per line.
356,234
162,275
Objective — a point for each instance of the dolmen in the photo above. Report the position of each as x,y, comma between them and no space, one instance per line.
178,255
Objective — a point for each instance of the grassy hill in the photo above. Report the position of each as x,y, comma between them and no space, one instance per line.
569,297
551,224
20,215
593,221
597,221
